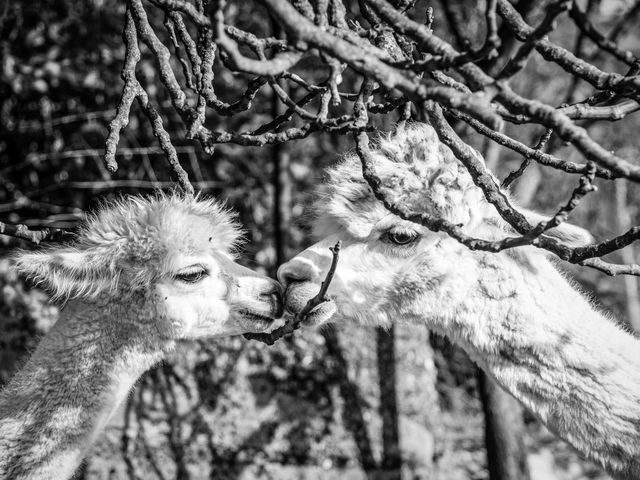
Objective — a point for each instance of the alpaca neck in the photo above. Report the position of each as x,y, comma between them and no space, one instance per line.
545,344
54,408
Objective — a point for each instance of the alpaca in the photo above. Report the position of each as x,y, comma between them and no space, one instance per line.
513,312
142,274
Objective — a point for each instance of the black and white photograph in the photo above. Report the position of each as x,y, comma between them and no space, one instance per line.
319,240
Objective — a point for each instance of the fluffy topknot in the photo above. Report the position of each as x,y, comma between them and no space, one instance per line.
139,225
416,170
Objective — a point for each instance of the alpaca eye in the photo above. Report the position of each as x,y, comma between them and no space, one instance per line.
401,238
193,276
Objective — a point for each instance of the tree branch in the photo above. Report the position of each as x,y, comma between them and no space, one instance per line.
294,323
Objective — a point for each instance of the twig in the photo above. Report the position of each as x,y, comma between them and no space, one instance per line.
582,22
528,158
186,8
519,60
294,323
237,61
628,86
35,236
129,93
535,153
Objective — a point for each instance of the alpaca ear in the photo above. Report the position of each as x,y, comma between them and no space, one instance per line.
67,272
569,234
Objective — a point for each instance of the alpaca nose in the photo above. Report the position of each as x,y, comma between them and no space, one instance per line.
295,271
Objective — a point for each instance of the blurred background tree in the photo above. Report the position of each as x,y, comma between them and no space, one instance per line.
343,402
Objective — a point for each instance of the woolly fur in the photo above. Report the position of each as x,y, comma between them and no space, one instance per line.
513,312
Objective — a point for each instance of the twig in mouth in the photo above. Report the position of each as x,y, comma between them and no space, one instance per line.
294,323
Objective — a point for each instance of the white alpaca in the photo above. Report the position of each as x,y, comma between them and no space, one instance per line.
143,274
520,319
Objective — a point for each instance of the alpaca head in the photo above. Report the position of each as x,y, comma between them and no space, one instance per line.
166,262
390,268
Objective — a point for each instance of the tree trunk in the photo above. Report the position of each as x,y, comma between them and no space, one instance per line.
281,202
504,429
391,457
281,181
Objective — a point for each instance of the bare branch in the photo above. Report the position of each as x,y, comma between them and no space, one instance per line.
627,86
399,65
35,236
519,60
236,61
582,22
129,93
184,7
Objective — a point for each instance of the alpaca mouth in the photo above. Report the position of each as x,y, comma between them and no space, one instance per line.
298,294
254,322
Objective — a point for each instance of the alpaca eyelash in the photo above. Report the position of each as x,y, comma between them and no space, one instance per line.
193,275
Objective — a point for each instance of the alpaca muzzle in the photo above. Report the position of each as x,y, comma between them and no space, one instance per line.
302,276
252,295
